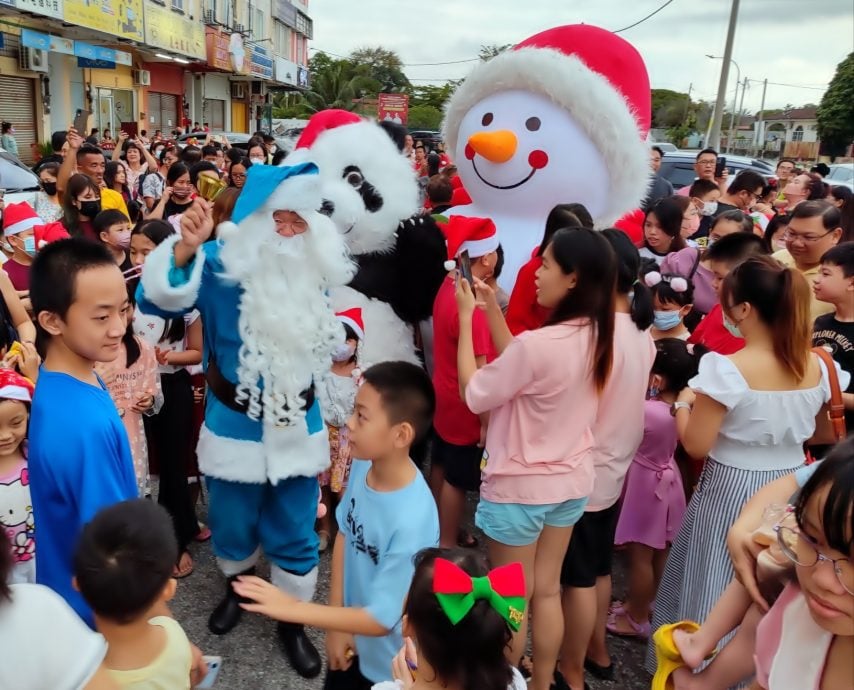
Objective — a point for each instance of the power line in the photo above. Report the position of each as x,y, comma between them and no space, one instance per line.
406,64
799,86
641,21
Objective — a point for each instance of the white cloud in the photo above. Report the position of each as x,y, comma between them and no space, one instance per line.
786,41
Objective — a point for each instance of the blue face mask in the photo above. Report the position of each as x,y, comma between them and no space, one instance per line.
30,245
666,320
733,328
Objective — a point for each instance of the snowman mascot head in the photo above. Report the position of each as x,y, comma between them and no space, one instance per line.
561,117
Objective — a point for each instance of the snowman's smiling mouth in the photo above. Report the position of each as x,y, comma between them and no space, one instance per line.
537,159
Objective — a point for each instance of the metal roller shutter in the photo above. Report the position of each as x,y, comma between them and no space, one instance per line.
214,114
163,107
17,105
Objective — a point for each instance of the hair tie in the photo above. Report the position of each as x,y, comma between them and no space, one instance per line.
678,283
636,282
652,278
457,591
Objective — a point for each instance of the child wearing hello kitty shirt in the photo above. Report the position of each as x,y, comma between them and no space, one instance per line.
16,507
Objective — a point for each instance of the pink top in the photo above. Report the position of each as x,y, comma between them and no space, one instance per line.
619,426
543,405
790,644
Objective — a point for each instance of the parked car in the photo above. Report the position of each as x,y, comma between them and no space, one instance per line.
17,181
428,137
665,146
238,140
678,167
841,174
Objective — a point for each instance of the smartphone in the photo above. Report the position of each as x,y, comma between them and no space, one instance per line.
719,167
465,267
214,665
81,121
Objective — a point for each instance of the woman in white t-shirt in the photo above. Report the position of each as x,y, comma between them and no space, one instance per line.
30,616
178,345
750,413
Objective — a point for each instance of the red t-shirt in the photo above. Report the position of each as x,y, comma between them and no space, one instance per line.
19,274
524,312
712,333
453,421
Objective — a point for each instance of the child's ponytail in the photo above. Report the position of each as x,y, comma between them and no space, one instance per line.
628,278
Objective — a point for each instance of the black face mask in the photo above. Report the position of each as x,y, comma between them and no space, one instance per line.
49,188
90,209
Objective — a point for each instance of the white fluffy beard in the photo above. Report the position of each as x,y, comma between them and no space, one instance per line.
287,326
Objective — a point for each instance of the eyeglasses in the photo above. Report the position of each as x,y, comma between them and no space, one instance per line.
803,551
790,236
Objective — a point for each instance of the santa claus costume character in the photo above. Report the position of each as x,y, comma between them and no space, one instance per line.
562,117
16,506
269,332
338,396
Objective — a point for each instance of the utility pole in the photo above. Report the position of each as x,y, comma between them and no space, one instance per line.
687,103
732,115
759,134
715,134
740,107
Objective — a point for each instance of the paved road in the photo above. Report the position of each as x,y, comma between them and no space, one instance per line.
252,659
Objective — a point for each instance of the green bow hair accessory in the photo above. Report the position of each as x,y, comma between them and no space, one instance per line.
503,588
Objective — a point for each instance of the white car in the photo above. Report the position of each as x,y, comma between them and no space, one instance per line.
841,174
17,182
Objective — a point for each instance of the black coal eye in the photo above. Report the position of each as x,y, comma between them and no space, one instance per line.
532,123
354,179
487,119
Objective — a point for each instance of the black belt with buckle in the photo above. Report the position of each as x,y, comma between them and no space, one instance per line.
226,392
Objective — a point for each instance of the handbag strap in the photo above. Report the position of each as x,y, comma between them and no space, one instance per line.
836,411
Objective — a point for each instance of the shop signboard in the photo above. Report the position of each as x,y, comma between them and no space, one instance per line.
173,32
120,18
260,63
48,8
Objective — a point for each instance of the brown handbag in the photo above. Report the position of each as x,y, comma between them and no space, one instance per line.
830,421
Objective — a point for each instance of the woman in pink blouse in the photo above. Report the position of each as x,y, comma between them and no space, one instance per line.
542,393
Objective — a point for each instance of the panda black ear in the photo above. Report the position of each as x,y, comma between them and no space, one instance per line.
397,133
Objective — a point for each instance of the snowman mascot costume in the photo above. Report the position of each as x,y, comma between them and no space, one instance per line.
371,194
269,333
561,117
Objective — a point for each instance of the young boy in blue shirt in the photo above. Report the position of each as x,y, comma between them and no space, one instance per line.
386,516
79,456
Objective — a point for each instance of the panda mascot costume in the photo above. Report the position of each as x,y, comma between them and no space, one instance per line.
370,191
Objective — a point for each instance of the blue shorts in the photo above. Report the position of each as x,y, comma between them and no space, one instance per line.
518,524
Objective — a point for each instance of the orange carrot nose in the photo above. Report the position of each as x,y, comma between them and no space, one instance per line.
496,147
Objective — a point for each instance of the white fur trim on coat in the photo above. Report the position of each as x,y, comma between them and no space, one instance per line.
155,278
596,105
285,452
300,586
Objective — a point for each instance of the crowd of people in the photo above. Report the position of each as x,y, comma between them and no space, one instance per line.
676,388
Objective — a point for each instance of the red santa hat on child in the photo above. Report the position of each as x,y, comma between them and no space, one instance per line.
353,318
18,218
475,235
598,77
13,386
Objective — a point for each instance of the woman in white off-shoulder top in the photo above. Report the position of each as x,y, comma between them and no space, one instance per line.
750,413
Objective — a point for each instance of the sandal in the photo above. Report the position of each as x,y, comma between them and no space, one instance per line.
640,630
324,538
667,656
204,532
178,572
598,671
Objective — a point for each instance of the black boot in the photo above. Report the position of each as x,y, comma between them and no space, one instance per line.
300,651
227,613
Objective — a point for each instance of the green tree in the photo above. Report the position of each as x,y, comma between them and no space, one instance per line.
433,96
334,86
836,112
424,117
382,66
487,52
669,108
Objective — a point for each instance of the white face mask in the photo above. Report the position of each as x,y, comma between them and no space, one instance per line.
343,352
709,208
258,160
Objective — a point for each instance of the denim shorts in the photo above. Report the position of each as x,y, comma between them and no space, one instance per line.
518,524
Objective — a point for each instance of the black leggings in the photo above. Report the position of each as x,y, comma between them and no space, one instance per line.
170,431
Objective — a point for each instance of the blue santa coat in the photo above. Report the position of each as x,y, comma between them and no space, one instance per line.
218,301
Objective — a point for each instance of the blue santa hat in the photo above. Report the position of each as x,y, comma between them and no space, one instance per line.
262,181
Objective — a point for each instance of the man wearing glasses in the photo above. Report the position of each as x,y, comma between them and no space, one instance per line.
704,166
742,193
813,229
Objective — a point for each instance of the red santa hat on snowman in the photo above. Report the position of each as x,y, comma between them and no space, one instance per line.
598,77
477,236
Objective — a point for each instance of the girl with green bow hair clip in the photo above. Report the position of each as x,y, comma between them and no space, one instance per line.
458,620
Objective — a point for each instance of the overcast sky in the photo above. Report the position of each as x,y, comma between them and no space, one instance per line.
786,41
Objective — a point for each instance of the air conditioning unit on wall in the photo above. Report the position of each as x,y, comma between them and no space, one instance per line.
238,90
32,59
141,77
